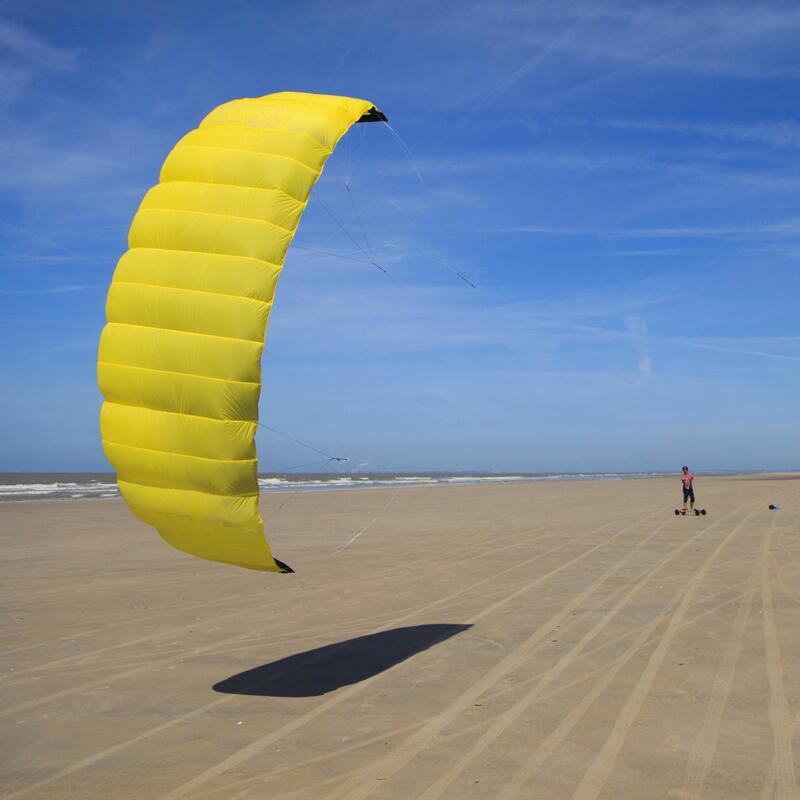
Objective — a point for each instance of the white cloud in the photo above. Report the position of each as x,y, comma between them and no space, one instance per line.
52,290
33,48
775,133
692,38
35,164
720,346
789,228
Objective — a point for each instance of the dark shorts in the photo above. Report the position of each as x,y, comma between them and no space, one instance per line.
688,494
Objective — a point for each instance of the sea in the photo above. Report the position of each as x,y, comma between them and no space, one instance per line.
16,486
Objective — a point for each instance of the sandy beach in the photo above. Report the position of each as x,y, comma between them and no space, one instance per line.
539,640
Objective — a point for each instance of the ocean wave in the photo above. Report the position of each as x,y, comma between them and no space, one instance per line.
56,489
33,486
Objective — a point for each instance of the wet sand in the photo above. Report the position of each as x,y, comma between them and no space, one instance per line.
545,640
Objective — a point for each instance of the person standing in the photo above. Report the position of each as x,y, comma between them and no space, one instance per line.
687,480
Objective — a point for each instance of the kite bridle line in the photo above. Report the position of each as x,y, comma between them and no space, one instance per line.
302,444
343,256
410,156
368,258
325,462
367,253
291,497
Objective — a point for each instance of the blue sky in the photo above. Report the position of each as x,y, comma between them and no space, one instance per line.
620,180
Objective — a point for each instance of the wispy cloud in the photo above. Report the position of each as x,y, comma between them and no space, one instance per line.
415,317
541,52
32,47
701,38
52,290
33,161
782,229
645,253
778,134
637,328
740,351
703,171
88,343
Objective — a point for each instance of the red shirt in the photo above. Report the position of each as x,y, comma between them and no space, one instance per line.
687,479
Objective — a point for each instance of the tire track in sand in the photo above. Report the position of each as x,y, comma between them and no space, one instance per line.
779,570
517,656
493,544
705,745
368,781
769,784
600,769
435,564
109,751
352,628
484,542
512,714
641,641
233,640
783,785
614,666
598,671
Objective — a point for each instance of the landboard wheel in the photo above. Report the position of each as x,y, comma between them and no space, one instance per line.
696,513
677,513
703,511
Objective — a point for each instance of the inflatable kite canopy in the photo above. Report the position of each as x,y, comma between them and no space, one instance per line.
179,362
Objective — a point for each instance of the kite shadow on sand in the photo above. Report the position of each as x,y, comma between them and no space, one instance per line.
324,669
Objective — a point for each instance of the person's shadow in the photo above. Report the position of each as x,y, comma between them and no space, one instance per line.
324,669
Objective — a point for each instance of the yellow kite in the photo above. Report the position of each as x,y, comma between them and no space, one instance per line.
179,362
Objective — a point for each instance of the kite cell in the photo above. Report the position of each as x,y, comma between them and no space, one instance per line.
179,362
